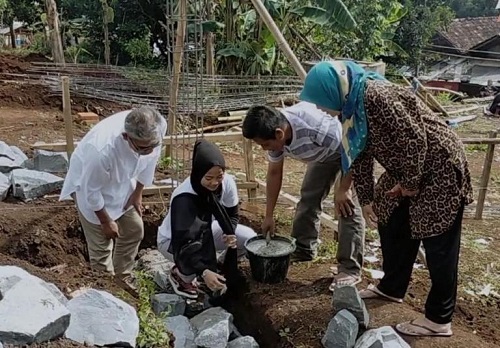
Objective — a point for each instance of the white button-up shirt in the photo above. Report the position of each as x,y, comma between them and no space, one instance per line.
104,169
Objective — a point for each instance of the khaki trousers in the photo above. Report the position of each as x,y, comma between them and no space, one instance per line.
114,256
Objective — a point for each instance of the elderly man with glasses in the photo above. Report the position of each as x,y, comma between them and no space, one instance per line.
106,177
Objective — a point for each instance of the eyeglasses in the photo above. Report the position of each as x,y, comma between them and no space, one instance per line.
142,150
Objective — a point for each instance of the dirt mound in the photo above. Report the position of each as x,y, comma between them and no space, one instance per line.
26,95
10,64
18,94
43,236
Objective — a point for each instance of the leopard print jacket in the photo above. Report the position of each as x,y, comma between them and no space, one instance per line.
417,150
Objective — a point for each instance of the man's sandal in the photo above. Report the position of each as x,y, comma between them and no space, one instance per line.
411,328
372,292
344,279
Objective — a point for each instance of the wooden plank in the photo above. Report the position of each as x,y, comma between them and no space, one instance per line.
325,219
480,141
172,139
485,177
165,189
459,111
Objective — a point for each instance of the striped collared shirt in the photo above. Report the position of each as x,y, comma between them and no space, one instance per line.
316,136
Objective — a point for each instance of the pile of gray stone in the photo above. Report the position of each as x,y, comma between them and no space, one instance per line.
96,318
28,179
349,326
193,323
34,311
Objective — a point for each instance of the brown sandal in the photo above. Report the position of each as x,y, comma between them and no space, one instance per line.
410,328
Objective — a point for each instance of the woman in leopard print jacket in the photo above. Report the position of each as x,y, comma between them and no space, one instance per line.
422,193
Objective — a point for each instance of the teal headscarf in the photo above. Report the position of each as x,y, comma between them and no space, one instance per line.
340,86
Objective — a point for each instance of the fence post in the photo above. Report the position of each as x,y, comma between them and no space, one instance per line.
68,119
249,167
485,177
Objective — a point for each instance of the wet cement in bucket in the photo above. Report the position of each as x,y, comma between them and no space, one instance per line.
276,247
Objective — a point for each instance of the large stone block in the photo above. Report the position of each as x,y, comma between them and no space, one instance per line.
182,330
384,337
342,331
29,312
212,328
347,297
51,162
30,184
98,318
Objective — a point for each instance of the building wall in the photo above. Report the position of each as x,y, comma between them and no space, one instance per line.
23,38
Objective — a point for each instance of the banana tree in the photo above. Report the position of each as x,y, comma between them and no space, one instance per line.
254,49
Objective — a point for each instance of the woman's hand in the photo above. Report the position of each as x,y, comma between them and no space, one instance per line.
229,241
398,191
370,217
214,280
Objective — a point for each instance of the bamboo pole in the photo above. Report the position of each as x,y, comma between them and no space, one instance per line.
485,177
176,71
174,139
233,136
68,119
280,39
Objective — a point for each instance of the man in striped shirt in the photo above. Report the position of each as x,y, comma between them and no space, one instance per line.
308,134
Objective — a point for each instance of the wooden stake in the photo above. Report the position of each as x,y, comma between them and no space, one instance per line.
68,119
249,167
485,177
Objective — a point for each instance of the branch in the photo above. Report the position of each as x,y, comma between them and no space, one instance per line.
304,41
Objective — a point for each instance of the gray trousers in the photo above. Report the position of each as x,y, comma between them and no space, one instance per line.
318,180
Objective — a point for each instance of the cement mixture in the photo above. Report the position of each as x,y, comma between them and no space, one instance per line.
276,247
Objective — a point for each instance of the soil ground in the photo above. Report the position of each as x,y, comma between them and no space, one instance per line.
44,238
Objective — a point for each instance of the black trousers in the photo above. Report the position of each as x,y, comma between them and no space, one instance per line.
399,252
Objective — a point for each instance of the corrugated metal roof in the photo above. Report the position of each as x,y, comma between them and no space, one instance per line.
6,30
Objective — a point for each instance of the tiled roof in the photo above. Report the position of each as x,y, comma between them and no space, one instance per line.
466,33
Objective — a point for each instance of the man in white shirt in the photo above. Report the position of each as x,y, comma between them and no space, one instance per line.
308,134
106,176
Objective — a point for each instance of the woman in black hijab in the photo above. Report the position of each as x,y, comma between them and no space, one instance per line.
202,220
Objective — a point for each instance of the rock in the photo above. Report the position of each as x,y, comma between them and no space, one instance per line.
212,328
10,275
342,331
156,265
347,297
182,330
243,342
172,305
384,337
235,333
4,186
11,157
29,184
98,318
49,161
19,155
195,307
29,312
